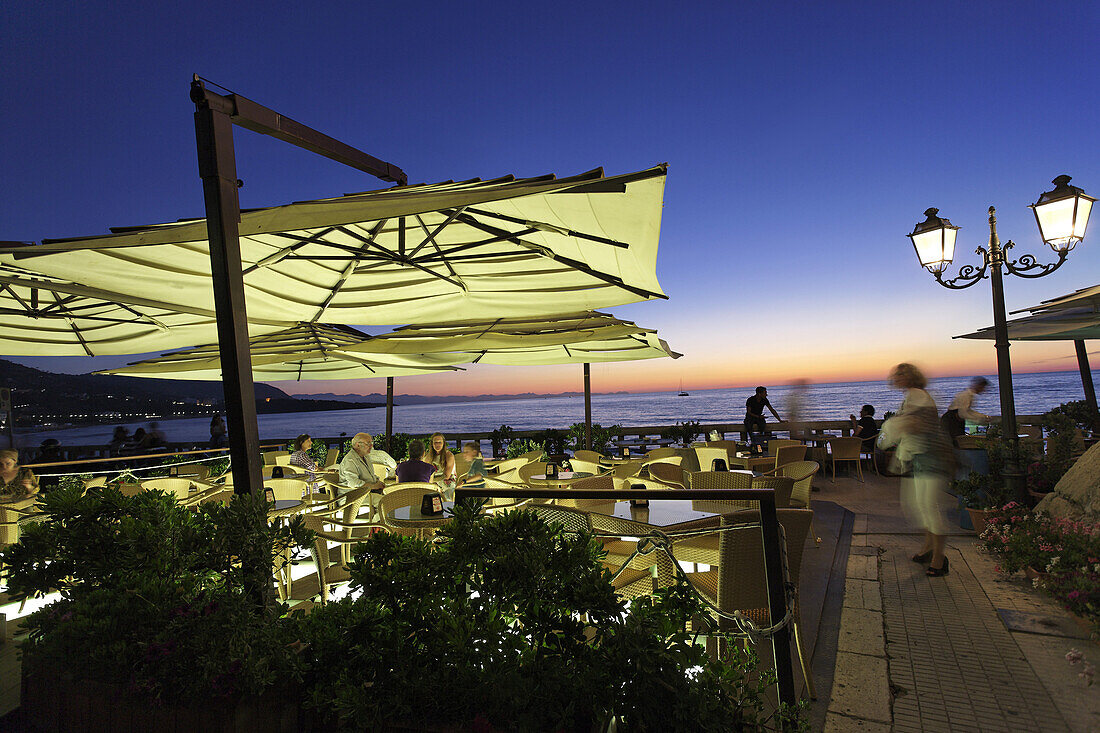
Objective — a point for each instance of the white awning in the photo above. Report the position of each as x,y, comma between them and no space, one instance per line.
47,316
574,338
412,254
1057,324
307,351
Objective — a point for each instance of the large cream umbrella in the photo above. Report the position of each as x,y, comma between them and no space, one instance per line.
306,351
410,254
48,316
1061,319
572,338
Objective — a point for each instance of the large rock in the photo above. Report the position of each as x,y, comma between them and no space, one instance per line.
1077,495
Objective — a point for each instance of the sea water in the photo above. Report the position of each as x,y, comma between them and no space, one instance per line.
1035,394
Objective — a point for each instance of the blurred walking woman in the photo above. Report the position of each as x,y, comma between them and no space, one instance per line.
922,445
16,482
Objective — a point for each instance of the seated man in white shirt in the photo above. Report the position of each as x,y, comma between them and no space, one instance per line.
381,458
962,409
357,469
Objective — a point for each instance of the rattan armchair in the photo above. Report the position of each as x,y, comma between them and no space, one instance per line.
588,455
739,582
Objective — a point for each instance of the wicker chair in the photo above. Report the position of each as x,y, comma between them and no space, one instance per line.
669,473
867,448
740,584
535,468
588,455
180,487
846,450
659,453
271,457
286,489
785,454
729,446
408,495
707,457
776,443
711,480
802,473
579,465
606,482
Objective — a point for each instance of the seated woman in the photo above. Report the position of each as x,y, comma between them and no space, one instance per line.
475,476
443,460
415,469
301,459
121,435
16,482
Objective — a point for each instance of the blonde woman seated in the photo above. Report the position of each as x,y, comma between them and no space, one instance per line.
16,482
442,459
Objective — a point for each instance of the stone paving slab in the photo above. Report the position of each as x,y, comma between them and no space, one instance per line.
860,689
953,665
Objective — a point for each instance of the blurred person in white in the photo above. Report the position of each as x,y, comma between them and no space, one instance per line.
922,447
961,410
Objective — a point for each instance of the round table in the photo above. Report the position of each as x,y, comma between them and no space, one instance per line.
409,517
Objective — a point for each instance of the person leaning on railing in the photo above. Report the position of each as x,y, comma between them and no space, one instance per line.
16,482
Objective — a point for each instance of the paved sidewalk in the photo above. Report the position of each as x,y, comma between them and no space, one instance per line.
972,651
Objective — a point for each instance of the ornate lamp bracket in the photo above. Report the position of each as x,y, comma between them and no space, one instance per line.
968,274
1028,266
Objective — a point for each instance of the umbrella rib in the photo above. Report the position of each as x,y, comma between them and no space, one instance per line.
367,242
432,235
508,237
568,232
15,295
440,251
80,338
575,264
301,242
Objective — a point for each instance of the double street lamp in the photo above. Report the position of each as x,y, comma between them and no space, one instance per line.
1062,215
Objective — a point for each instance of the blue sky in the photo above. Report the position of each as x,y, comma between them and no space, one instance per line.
804,141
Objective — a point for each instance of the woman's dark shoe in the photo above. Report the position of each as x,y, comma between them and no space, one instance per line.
937,572
923,557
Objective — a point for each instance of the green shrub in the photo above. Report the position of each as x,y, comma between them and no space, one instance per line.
168,602
602,438
521,629
685,432
499,437
523,445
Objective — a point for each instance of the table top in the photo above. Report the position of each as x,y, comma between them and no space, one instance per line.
412,513
636,442
659,513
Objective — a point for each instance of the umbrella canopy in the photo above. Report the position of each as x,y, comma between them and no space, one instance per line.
1056,324
575,338
306,351
1085,297
47,316
410,254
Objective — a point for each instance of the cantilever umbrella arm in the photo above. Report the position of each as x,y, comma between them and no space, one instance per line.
215,115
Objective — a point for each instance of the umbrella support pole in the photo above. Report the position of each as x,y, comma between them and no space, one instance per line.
588,407
218,170
1086,381
389,415
215,116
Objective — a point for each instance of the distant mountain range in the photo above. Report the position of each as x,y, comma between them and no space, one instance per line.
45,398
42,398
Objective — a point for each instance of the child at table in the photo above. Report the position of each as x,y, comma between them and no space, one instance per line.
475,476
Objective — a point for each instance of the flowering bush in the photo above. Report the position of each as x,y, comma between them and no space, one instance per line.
1067,551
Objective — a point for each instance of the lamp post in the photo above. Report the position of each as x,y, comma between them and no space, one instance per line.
1062,216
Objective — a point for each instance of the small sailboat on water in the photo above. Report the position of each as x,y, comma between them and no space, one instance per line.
682,392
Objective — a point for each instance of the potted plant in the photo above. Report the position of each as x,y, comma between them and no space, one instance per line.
499,437
977,495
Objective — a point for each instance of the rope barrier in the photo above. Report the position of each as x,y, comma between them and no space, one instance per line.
132,470
657,540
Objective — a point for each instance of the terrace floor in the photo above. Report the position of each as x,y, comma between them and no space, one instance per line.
891,649
972,651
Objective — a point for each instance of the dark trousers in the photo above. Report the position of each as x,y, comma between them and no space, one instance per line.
755,424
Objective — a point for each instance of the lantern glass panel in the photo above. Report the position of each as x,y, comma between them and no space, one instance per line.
935,247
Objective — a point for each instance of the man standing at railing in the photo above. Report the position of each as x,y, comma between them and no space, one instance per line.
356,470
754,412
